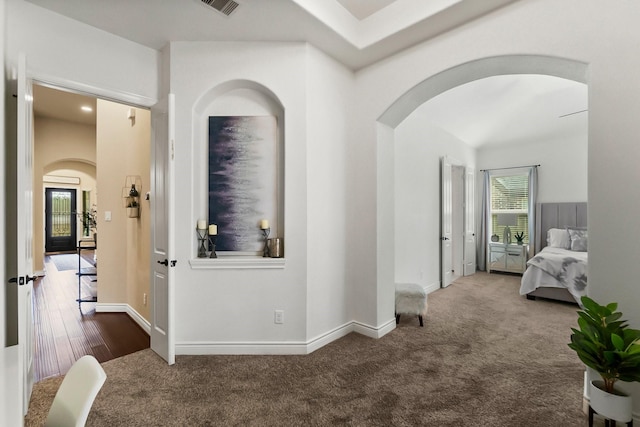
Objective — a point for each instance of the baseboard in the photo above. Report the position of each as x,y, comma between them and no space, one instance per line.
125,308
328,337
285,347
432,287
373,332
237,348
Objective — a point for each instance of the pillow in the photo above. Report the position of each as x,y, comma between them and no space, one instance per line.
579,239
558,238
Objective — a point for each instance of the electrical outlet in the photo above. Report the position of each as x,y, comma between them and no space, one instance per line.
144,299
278,317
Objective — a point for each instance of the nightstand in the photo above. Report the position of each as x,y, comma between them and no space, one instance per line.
510,258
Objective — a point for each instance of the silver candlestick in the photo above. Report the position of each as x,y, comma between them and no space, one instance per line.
212,241
202,242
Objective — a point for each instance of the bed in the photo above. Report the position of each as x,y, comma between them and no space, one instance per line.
558,270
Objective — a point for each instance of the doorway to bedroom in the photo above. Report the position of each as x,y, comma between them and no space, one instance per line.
494,116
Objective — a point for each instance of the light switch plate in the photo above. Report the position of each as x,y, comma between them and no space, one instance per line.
107,215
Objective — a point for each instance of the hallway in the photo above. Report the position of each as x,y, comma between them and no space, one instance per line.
63,333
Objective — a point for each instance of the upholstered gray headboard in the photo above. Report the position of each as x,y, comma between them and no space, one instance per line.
557,215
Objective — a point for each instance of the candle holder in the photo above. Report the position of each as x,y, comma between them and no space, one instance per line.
212,242
266,253
202,242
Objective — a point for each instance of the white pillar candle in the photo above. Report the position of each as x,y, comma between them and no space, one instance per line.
202,224
213,229
264,224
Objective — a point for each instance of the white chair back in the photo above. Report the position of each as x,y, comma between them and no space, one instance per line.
73,401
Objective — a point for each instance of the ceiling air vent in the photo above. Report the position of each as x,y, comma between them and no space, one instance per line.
224,6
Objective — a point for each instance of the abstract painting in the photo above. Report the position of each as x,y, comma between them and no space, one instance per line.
243,180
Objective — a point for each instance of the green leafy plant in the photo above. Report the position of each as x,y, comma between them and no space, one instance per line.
89,218
519,236
606,344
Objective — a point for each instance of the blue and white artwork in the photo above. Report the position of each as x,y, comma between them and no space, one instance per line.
243,163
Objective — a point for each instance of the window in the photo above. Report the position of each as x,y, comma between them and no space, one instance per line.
510,205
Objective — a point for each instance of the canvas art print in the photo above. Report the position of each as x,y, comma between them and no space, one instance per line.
242,180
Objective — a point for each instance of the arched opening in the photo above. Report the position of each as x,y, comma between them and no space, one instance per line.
405,105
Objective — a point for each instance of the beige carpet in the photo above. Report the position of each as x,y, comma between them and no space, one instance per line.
486,357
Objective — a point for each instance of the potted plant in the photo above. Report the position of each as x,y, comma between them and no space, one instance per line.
519,237
607,345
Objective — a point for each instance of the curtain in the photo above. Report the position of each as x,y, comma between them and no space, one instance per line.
484,223
533,198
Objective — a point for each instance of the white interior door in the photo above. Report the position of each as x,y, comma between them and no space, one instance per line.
469,222
24,228
162,229
446,223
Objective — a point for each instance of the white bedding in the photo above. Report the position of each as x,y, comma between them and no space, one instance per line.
556,268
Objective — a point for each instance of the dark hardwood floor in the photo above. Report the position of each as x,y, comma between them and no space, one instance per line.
64,333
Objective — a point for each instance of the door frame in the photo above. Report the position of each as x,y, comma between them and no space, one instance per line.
95,91
467,228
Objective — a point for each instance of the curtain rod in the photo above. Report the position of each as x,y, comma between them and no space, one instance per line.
512,167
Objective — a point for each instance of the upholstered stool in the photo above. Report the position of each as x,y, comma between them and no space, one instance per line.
410,299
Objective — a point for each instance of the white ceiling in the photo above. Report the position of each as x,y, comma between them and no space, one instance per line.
510,109
67,106
324,23
356,32
362,9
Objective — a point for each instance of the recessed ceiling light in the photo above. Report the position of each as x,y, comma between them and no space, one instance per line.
86,108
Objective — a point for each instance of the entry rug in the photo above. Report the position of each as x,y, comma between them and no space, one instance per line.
65,262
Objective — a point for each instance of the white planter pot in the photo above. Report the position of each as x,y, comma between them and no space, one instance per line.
612,406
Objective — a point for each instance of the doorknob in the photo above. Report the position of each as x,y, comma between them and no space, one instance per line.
21,280
444,238
165,262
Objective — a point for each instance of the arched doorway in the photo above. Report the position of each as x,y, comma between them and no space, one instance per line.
408,102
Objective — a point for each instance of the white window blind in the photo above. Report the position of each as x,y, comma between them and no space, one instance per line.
510,195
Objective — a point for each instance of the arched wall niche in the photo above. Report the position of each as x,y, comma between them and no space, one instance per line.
237,98
404,105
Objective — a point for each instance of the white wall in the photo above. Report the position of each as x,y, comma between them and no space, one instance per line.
71,54
329,105
541,27
418,150
233,309
562,176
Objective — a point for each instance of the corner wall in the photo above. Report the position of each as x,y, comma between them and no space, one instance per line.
329,106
